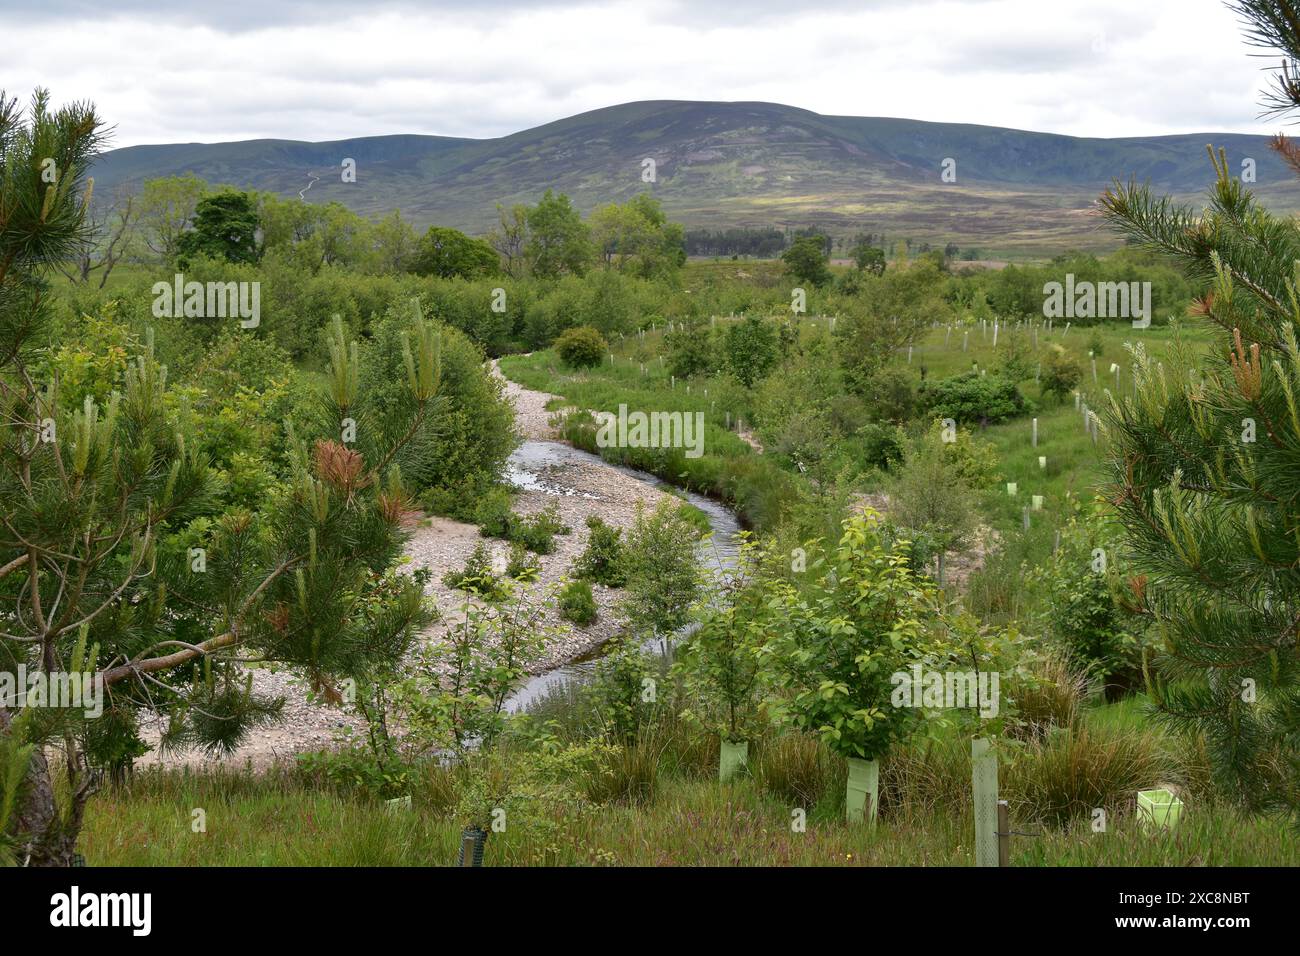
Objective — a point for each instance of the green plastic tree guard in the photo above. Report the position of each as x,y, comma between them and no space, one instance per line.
863,790
733,758
984,782
1159,808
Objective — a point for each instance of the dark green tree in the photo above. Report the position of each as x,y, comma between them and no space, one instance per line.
558,240
806,260
869,258
1204,466
450,254
750,349
225,227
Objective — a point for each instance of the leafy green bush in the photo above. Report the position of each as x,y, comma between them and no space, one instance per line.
618,690
1091,603
835,642
577,604
690,348
581,347
662,576
1061,373
603,559
971,397
750,349
477,577
882,445
890,394
355,767
536,532
523,565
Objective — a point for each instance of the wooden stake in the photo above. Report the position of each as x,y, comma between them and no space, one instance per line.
1004,833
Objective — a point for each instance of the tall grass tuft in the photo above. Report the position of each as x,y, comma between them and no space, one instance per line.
798,770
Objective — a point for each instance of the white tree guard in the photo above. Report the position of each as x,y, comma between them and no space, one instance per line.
984,781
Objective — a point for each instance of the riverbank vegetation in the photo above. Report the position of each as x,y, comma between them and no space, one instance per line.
938,475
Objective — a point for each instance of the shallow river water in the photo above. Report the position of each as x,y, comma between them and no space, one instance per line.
538,466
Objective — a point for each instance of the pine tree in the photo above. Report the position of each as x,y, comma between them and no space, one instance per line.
1205,458
97,572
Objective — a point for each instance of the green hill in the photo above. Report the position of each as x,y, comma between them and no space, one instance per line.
738,164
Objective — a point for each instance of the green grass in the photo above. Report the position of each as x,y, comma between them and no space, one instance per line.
270,820
1073,462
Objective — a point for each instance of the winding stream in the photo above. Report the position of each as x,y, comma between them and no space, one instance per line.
531,467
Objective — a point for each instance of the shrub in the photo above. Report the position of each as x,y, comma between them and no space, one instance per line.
581,347
882,445
891,394
577,603
536,532
662,575
1060,373
835,642
971,397
690,348
1092,609
494,516
354,767
523,565
603,560
618,690
750,348
477,577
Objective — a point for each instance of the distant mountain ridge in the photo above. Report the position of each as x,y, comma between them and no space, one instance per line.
738,164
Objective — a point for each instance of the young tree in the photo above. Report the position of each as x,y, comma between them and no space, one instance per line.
225,228
106,569
167,208
313,235
836,641
637,237
114,226
1203,462
558,239
931,497
806,260
869,258
663,579
750,349
510,238
892,312
449,254
719,662
393,244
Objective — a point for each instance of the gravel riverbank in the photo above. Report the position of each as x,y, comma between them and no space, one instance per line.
578,488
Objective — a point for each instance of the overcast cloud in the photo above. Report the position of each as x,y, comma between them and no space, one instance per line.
332,69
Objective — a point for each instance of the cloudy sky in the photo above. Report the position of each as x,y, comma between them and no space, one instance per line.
330,69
